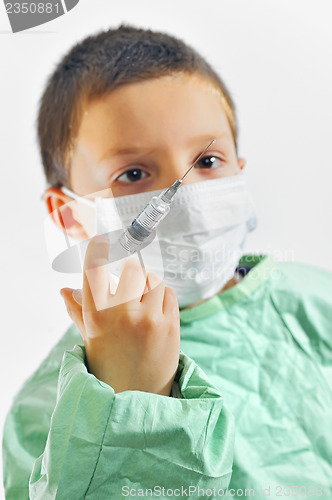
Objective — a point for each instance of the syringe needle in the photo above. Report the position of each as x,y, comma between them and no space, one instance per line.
171,191
197,159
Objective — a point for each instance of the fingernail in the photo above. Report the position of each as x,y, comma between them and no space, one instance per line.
102,237
77,296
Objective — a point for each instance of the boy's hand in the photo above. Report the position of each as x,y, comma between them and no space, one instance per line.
132,338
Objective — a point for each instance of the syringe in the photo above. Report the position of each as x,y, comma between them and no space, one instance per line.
143,227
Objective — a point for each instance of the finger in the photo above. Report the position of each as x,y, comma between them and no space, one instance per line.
132,283
170,304
96,275
152,280
77,296
73,308
153,296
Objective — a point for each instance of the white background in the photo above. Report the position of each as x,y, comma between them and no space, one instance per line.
275,56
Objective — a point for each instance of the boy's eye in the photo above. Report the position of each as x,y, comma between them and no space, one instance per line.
132,175
209,162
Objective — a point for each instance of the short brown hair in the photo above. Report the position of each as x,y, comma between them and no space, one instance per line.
96,66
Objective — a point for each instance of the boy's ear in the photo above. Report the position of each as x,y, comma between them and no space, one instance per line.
60,207
241,162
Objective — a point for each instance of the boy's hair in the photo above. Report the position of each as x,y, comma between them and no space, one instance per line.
96,66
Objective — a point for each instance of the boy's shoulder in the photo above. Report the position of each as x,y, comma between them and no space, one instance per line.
301,295
48,371
299,270
298,277
28,420
308,280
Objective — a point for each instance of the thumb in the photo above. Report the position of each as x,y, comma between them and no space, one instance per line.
74,309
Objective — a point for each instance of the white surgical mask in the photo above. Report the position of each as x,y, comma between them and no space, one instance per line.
199,243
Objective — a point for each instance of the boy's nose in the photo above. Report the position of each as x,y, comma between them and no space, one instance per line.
174,171
178,167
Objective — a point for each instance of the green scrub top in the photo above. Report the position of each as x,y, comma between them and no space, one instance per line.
258,353
267,345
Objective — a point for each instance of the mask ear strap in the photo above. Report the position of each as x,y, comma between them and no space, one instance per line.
75,196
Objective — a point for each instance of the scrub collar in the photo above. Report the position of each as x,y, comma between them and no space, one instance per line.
263,266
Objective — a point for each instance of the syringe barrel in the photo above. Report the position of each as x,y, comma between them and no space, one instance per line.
153,213
130,242
144,224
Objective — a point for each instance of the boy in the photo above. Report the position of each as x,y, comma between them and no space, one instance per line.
128,414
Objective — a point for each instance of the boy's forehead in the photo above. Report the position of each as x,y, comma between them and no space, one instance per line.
168,107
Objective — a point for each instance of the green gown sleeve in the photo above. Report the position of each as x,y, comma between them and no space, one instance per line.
100,444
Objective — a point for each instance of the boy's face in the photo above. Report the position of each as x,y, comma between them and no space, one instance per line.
143,136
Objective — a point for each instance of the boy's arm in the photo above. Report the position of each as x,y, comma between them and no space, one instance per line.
101,444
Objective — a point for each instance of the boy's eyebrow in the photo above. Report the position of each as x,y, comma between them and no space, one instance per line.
207,137
123,151
139,149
